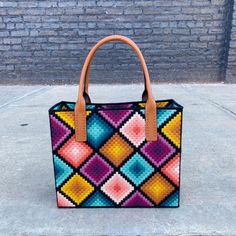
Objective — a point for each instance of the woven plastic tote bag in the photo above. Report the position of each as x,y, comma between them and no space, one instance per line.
116,155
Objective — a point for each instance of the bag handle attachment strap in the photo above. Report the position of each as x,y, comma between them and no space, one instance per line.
80,107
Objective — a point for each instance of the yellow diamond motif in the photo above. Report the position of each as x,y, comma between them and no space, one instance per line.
77,188
88,113
158,104
157,188
67,117
172,129
161,104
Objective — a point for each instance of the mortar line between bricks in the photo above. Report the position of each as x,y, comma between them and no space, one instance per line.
215,104
22,97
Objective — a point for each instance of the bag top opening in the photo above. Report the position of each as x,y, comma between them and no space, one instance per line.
161,104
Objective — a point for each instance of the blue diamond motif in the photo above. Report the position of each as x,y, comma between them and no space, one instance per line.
90,107
57,108
62,170
172,200
71,105
97,131
98,200
163,115
137,169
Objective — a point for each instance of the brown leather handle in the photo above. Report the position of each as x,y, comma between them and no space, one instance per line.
87,83
86,89
80,108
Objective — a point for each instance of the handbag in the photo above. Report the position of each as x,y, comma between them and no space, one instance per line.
116,155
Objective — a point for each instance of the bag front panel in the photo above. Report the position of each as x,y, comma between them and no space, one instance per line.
116,166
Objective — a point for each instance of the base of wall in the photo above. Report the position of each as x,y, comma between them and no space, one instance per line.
124,77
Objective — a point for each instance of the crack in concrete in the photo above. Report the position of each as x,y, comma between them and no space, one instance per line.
215,104
223,108
35,91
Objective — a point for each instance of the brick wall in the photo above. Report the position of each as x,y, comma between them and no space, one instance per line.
182,40
231,65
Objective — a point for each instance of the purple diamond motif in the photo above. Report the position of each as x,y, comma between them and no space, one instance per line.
137,199
115,117
158,151
59,132
120,106
96,169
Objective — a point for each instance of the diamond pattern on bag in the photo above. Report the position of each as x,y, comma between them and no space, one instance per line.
146,173
171,169
67,117
158,151
97,130
157,188
116,149
115,117
75,152
98,199
172,129
62,201
62,170
96,169
134,129
59,132
137,200
117,188
137,169
77,188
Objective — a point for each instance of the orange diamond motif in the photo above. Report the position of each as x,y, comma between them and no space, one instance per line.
77,188
157,188
116,149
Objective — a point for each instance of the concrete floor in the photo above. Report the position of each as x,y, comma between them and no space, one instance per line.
208,188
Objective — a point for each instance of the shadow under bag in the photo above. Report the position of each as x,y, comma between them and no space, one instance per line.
116,155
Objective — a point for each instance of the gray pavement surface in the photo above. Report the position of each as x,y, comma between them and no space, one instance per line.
208,188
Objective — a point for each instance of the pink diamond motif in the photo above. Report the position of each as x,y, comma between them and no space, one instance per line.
117,188
134,129
171,169
75,152
63,201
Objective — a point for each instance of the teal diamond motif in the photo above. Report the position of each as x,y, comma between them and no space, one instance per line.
172,200
56,108
71,105
62,170
163,115
90,107
98,200
137,169
97,131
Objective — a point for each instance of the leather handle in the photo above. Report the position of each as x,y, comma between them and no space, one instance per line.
86,92
80,107
86,89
